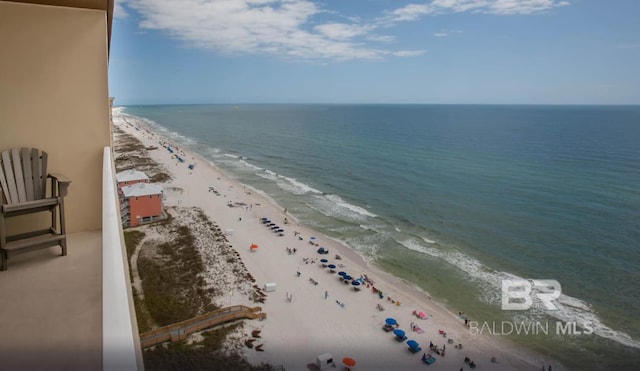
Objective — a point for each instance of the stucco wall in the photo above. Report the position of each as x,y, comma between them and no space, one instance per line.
144,206
54,96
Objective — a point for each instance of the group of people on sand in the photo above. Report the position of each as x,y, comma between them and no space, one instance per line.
291,251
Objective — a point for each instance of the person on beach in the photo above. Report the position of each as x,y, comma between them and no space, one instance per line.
326,294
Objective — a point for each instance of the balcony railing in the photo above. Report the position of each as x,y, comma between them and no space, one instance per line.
121,344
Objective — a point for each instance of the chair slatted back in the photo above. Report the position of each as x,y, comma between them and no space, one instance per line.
23,175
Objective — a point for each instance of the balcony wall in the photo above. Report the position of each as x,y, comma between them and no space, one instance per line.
54,96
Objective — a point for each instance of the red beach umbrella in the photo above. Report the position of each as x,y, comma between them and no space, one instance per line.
254,246
349,362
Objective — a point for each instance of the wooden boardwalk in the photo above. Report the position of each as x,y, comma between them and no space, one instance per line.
180,331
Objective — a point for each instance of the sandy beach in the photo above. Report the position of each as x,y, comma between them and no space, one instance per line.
312,311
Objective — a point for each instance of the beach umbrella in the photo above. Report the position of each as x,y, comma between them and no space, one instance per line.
254,245
413,344
399,333
391,321
280,230
347,277
312,238
331,266
355,283
342,274
349,362
324,261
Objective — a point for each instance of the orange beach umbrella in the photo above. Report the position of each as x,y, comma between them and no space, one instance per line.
348,361
254,245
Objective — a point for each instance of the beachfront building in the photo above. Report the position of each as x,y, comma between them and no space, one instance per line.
131,177
71,312
140,203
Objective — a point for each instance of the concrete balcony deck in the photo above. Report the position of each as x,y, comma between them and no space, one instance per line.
72,312
51,307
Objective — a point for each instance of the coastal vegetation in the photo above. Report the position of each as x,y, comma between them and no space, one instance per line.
172,287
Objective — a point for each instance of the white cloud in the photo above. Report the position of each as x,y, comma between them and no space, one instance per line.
298,29
381,38
277,27
119,12
343,31
408,53
413,12
446,33
507,7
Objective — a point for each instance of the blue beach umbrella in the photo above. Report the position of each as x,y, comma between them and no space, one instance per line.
413,344
324,261
391,321
347,277
399,333
355,283
331,266
312,238
342,274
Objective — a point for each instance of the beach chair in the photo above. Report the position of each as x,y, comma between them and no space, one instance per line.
23,188
428,359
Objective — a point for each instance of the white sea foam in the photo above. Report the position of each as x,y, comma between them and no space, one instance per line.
366,246
342,203
230,155
428,240
330,206
570,309
265,175
372,227
250,165
176,138
294,186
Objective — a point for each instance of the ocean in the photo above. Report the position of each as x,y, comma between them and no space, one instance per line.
456,199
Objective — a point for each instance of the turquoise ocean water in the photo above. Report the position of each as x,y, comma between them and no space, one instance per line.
455,198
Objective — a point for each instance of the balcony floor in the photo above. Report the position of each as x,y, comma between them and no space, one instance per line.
51,307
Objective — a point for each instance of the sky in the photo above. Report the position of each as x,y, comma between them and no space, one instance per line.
375,51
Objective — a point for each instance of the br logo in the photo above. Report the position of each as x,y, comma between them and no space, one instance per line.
517,294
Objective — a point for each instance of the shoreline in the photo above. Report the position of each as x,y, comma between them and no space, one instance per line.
296,332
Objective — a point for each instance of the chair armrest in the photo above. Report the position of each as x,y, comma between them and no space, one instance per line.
63,183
